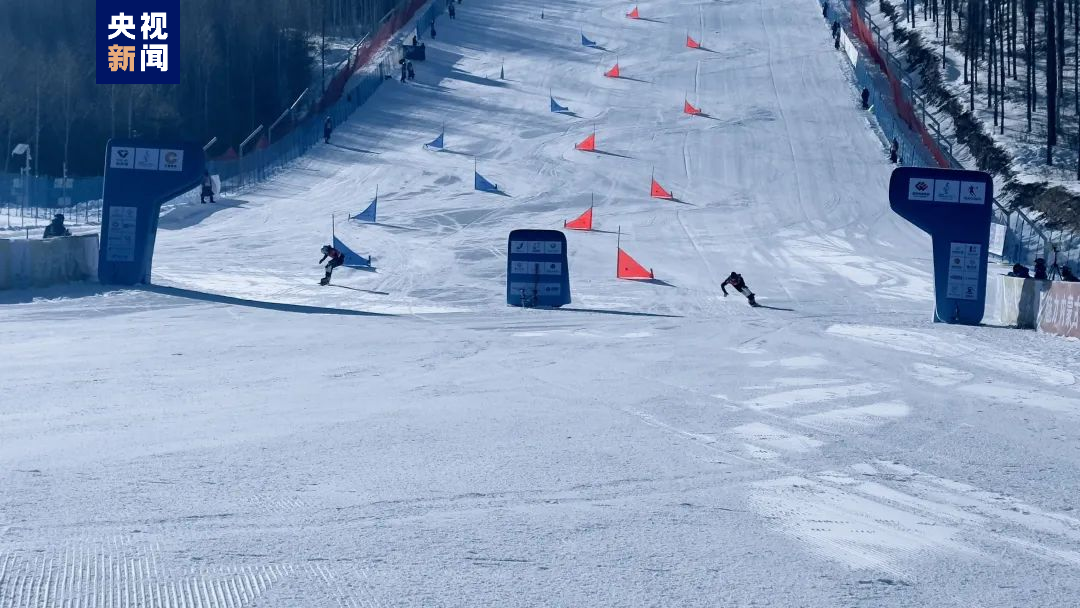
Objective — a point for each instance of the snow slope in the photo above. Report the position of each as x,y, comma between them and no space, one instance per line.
234,438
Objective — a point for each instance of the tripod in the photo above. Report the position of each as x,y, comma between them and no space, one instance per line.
1054,272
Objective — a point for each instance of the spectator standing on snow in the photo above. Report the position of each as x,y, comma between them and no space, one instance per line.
735,280
451,11
404,70
207,188
56,228
894,151
836,34
432,29
327,129
1067,275
865,98
409,69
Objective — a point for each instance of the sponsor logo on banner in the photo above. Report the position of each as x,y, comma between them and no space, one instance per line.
920,189
122,158
973,193
147,158
171,160
946,191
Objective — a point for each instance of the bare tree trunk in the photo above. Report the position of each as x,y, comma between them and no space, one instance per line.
1051,81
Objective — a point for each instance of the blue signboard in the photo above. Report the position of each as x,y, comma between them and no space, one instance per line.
134,38
954,207
140,175
537,272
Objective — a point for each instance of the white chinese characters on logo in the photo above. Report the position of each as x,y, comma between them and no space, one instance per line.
122,24
152,26
155,56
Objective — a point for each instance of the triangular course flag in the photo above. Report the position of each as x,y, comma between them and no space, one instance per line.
437,143
352,259
634,14
588,144
657,191
586,42
555,107
689,109
629,268
368,215
691,43
482,184
613,72
583,221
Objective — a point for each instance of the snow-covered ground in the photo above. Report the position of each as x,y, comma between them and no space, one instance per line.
241,436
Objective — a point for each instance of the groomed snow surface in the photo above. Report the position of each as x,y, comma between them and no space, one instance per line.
189,446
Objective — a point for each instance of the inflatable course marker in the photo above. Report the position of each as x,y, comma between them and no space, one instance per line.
628,267
583,221
657,191
555,107
588,144
634,14
614,72
368,215
689,109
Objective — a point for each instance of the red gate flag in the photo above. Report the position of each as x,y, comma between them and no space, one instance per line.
691,43
630,269
689,109
613,72
634,14
583,222
588,144
657,191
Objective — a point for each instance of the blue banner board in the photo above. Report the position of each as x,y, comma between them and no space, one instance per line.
537,272
954,208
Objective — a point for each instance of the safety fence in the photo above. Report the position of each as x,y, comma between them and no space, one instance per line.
27,201
904,117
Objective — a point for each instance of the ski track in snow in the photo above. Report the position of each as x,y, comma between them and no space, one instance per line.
833,448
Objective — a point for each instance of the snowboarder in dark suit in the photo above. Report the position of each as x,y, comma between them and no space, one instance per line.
336,259
865,98
735,280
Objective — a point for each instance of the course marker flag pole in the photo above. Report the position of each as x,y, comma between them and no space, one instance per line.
691,43
628,267
658,191
582,222
614,72
689,109
588,144
634,14
369,214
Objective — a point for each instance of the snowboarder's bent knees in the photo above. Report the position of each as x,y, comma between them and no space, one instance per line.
735,280
336,259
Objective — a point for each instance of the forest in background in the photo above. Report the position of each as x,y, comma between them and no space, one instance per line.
241,63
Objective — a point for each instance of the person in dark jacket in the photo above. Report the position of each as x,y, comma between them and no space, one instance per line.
432,29
404,70
56,228
894,151
336,259
865,98
207,188
735,280
327,129
1020,271
1067,275
1040,269
409,69
451,11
